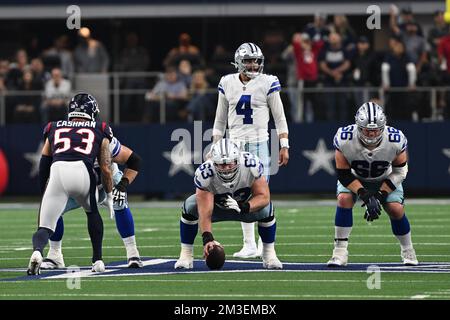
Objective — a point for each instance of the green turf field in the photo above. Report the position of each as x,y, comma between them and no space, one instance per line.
304,234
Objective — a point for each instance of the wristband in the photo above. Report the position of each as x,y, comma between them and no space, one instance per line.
284,143
207,237
245,207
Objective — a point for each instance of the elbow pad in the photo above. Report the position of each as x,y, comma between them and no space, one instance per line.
397,175
345,176
44,171
134,162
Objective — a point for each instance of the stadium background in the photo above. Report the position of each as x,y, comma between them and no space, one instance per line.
215,28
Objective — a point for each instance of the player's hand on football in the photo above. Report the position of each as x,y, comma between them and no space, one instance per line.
283,157
372,204
232,204
208,246
109,204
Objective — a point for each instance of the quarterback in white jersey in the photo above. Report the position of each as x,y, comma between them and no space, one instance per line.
229,187
245,101
371,162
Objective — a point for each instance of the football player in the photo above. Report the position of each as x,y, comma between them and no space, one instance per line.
66,170
371,163
230,186
124,219
245,99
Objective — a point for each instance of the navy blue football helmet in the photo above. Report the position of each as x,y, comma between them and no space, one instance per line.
83,105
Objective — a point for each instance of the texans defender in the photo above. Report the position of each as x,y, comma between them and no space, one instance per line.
67,163
245,99
230,186
371,162
123,155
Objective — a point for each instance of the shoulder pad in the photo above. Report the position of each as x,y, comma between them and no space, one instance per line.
344,135
115,147
253,163
46,130
204,174
398,138
274,84
107,131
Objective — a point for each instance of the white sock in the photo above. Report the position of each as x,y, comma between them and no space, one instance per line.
130,246
268,249
405,241
55,249
248,231
187,249
341,233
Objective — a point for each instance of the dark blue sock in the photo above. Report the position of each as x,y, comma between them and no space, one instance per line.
188,231
59,230
124,222
267,234
400,227
344,217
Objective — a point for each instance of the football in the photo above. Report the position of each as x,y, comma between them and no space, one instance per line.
216,258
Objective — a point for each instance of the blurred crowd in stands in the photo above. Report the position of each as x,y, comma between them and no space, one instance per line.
317,66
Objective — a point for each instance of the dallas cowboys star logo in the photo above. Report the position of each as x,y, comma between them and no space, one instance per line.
446,152
34,158
321,158
181,159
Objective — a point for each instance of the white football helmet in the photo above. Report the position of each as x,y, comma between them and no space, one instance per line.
370,116
226,152
249,60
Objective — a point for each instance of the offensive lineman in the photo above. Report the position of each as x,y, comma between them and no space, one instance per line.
371,162
124,219
245,99
68,156
230,186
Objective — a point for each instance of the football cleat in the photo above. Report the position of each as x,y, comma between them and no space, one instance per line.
339,258
98,266
53,262
272,262
34,267
409,257
259,250
186,260
248,252
135,262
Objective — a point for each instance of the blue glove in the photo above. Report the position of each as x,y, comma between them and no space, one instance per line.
372,204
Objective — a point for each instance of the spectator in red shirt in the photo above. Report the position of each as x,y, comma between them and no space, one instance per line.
444,61
306,55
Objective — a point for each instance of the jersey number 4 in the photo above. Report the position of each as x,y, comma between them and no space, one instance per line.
65,142
244,108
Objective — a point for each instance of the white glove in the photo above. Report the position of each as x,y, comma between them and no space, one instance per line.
232,204
109,204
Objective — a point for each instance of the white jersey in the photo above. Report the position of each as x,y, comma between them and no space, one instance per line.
247,110
251,168
370,165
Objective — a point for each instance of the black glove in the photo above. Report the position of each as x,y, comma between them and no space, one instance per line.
381,195
120,192
373,207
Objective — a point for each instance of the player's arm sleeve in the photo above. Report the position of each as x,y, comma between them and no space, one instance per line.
44,167
276,107
203,176
399,169
220,122
258,170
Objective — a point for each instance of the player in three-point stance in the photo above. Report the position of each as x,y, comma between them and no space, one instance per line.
371,163
120,154
245,99
67,170
230,186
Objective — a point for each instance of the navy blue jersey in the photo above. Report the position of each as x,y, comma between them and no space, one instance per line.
72,141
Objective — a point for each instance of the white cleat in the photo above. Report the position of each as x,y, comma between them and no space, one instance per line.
34,267
272,263
339,258
409,257
135,262
98,266
53,262
248,252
